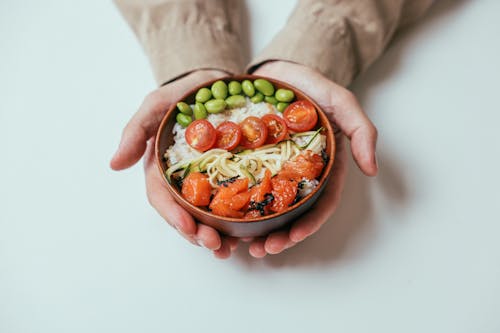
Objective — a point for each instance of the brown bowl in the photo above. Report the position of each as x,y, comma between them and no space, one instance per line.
244,227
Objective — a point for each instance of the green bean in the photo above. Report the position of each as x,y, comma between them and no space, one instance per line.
234,88
257,98
235,101
248,88
199,111
264,87
183,119
271,100
282,106
215,105
203,95
219,90
184,108
284,95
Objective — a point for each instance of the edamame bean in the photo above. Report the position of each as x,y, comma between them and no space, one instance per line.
271,100
248,88
284,95
215,105
234,88
203,95
282,106
184,108
257,98
199,111
235,101
183,119
219,89
264,87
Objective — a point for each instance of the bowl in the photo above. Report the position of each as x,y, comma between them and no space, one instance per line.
244,227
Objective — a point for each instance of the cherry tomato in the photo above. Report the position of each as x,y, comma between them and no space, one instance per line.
300,116
201,135
228,135
276,128
254,132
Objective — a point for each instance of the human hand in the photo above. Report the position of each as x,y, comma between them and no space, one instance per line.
345,113
138,140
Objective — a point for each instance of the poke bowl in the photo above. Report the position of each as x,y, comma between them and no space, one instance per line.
245,154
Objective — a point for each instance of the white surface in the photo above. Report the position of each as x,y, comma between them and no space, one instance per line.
414,250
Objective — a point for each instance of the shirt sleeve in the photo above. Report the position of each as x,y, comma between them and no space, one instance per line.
180,36
339,38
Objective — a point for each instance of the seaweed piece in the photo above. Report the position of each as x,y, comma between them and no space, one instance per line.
301,184
227,181
324,156
178,181
268,198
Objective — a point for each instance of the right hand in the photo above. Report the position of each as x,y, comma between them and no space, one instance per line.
138,140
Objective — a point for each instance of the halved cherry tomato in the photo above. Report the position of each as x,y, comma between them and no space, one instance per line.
231,198
254,132
306,165
228,135
284,192
276,128
300,116
197,189
201,135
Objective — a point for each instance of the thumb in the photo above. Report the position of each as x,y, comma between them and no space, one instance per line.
139,130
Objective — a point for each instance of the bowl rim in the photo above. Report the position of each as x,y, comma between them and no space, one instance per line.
176,194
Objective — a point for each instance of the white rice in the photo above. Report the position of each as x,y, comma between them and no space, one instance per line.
307,186
180,150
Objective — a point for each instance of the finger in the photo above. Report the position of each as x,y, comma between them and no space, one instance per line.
224,251
257,249
345,111
163,202
278,241
208,237
326,204
140,129
233,242
145,122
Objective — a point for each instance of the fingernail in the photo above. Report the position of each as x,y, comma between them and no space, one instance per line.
200,242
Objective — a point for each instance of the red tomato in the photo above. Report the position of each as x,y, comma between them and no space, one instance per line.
276,128
197,189
228,135
300,116
254,132
201,135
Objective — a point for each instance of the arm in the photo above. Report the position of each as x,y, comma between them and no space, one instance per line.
180,36
340,39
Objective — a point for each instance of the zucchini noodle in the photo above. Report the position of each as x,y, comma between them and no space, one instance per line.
219,164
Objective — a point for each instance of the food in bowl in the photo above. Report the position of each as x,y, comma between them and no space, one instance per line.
245,150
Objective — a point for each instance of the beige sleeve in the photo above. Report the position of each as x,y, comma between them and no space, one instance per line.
340,38
180,36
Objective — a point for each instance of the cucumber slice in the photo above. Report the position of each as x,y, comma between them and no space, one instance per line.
248,174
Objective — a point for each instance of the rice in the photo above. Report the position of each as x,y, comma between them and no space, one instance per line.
180,150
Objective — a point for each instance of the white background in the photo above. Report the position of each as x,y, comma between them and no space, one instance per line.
414,250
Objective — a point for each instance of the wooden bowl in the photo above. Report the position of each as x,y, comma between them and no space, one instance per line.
244,227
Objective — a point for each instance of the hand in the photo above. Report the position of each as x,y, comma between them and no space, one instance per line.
138,139
345,113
